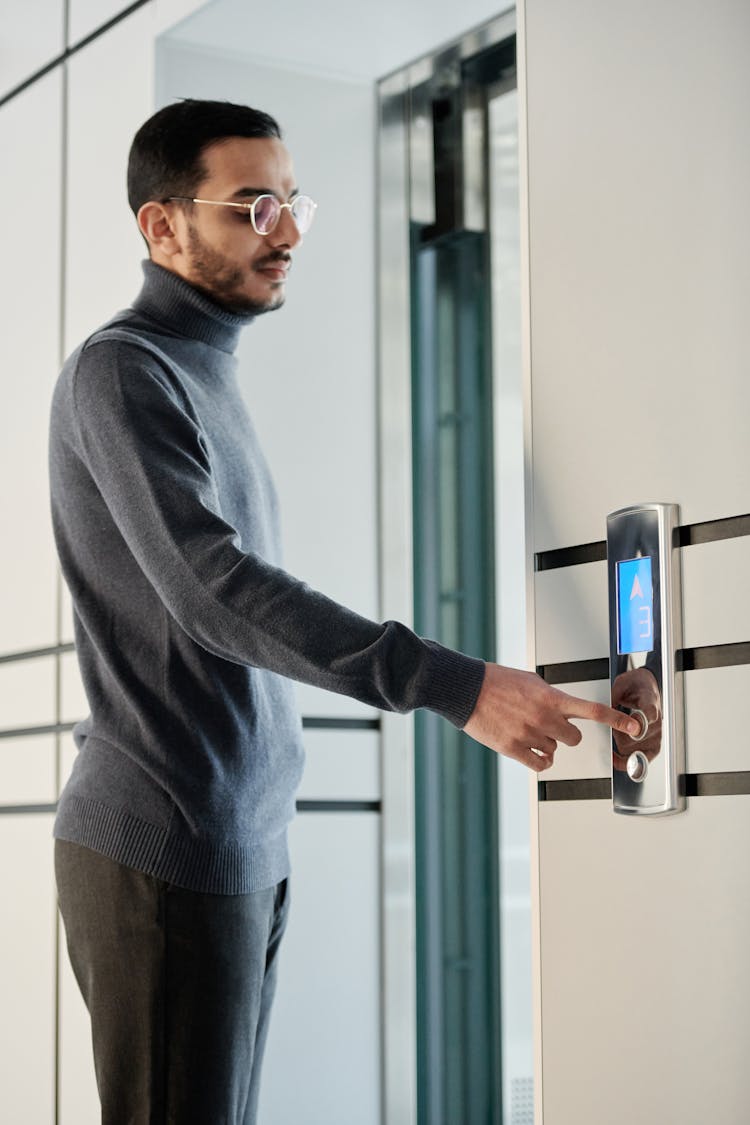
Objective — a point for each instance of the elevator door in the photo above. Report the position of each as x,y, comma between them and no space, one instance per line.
473,1009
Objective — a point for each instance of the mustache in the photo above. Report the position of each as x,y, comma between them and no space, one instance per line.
272,259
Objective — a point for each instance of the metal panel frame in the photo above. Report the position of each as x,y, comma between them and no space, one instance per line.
396,594
396,553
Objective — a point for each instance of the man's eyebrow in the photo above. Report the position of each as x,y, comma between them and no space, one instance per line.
252,192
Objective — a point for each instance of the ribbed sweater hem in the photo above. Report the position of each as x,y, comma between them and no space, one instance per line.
195,865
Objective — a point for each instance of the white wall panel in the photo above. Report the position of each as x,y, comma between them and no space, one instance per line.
27,770
341,765
30,140
68,751
716,735
66,615
31,35
571,603
645,974
27,969
111,95
715,741
308,371
640,259
73,702
571,613
27,693
323,1056
715,592
592,757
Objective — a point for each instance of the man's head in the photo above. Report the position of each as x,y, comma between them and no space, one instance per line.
219,153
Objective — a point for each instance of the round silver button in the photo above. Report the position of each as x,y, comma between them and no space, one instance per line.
636,713
637,766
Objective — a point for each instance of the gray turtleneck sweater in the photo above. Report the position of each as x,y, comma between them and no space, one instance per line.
187,629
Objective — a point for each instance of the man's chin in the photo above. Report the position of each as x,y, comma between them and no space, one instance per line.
252,306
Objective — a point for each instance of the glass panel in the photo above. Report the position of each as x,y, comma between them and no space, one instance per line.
510,553
456,780
474,1006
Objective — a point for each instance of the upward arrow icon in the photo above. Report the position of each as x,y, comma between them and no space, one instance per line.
636,592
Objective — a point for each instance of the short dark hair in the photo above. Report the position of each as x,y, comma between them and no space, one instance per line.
166,153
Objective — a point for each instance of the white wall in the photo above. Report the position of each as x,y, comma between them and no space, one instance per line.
72,257
308,376
639,239
308,371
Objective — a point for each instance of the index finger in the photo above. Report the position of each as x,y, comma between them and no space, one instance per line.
575,708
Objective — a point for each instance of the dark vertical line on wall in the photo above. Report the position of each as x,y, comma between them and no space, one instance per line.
62,313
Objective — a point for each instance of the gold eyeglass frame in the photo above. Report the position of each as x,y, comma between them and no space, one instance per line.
251,208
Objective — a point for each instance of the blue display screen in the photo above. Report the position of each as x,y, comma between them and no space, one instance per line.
635,606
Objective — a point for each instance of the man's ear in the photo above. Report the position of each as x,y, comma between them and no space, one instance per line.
158,228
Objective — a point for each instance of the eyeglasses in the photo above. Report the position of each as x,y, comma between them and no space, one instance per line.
265,210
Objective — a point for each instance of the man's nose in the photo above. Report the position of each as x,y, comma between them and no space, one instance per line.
286,232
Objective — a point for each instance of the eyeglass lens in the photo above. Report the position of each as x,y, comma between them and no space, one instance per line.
267,212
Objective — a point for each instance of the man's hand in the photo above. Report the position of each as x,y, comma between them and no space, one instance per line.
519,715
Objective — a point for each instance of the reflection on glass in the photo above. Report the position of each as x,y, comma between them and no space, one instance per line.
636,690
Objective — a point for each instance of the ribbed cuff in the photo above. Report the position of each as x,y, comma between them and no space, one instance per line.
453,684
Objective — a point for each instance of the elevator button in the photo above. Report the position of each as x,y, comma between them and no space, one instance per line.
637,766
636,713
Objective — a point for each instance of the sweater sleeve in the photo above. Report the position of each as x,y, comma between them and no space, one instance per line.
147,456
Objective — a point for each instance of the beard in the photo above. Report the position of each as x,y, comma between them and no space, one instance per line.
222,281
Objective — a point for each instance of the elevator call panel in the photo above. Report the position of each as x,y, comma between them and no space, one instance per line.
645,636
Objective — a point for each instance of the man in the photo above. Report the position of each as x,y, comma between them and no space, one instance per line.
171,850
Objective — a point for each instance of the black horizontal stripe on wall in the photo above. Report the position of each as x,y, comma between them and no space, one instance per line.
316,806
17,810
689,535
713,656
730,784
321,806
575,671
585,789
571,556
717,784
688,660
35,653
70,51
711,531
313,722
34,732
309,723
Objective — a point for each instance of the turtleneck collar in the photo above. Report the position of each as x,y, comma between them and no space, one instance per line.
170,299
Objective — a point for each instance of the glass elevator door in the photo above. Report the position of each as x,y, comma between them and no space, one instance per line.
472,1012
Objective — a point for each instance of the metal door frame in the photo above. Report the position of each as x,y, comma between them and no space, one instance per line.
394,444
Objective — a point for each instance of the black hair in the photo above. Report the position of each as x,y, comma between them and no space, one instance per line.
166,153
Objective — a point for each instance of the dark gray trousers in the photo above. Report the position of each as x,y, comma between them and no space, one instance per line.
179,988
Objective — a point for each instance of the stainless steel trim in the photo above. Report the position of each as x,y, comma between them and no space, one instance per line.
421,156
474,151
394,193
423,68
399,1020
531,653
659,789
